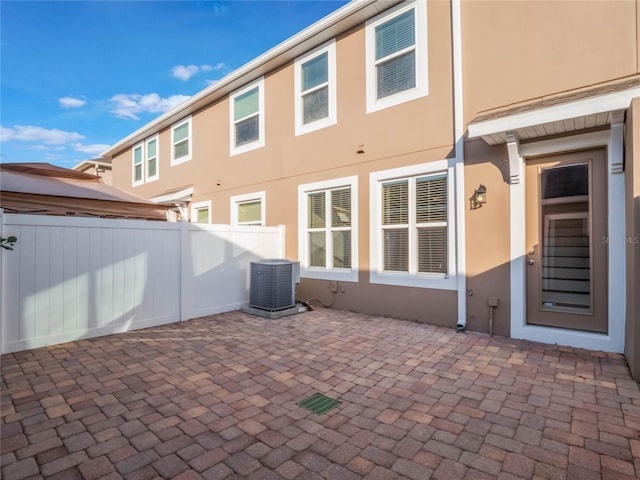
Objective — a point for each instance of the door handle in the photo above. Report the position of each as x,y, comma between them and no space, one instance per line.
531,261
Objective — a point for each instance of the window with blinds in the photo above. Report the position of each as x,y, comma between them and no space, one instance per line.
201,212
396,55
202,215
250,213
152,159
414,225
137,165
329,228
181,142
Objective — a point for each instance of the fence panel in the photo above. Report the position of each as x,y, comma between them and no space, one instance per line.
218,265
71,278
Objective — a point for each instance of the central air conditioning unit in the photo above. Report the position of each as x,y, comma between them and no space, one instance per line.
273,284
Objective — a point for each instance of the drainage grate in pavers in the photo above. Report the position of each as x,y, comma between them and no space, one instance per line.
319,403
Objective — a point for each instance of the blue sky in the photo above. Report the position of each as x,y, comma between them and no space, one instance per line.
77,76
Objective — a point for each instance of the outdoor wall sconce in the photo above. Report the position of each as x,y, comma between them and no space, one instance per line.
479,197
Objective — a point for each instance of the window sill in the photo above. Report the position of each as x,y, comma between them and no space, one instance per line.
336,275
437,282
247,147
180,160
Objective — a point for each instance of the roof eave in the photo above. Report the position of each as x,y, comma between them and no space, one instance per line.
326,28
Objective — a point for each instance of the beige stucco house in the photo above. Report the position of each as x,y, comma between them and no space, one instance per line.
468,164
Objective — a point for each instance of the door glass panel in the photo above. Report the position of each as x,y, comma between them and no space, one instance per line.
569,181
566,239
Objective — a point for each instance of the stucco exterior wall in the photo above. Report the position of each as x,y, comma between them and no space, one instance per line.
632,187
487,230
516,51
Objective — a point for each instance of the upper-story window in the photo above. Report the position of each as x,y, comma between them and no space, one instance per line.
151,169
247,118
315,89
396,53
181,142
248,209
138,166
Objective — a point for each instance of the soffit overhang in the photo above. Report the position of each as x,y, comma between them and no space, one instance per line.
557,115
345,18
176,196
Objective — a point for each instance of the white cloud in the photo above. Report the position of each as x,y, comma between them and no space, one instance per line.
51,156
29,133
127,105
94,149
70,102
185,72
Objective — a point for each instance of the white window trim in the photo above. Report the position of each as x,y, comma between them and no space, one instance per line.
332,118
198,206
239,199
261,115
342,274
421,280
135,183
422,64
187,157
146,158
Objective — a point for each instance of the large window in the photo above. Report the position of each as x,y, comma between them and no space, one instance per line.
422,215
138,166
248,209
328,229
181,142
412,213
247,118
151,147
315,89
396,50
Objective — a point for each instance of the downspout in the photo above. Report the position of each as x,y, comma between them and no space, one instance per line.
456,43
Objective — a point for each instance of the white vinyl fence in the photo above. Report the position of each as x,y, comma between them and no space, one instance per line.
70,278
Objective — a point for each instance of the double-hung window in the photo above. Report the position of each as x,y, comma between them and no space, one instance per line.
396,52
138,165
151,170
412,239
247,118
315,89
328,237
248,209
181,142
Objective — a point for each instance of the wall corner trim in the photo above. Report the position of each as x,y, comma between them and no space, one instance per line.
515,163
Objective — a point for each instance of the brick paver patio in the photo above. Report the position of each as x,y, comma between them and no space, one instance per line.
217,398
